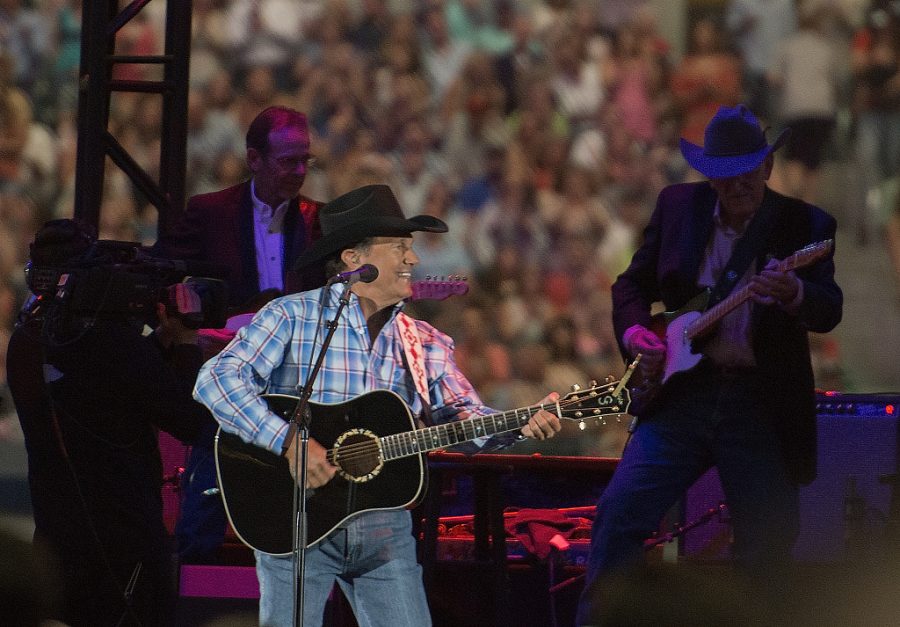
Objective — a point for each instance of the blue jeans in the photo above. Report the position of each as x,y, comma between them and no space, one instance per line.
373,560
709,420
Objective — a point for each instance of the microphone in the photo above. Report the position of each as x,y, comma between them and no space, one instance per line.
366,273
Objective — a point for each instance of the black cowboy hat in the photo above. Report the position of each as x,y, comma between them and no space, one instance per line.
733,144
369,211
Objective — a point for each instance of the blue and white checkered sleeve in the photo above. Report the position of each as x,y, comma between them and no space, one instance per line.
230,383
452,395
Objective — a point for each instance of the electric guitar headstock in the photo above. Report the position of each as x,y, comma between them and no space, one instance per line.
807,255
433,288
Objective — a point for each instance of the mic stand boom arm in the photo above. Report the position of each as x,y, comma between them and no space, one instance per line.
299,426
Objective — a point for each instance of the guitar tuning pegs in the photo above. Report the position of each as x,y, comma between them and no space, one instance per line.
609,379
593,383
575,387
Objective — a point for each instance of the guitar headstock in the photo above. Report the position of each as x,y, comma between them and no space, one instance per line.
808,255
433,288
598,403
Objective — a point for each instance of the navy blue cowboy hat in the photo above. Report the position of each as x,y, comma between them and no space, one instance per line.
733,144
369,211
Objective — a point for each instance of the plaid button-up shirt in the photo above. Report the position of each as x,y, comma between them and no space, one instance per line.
274,353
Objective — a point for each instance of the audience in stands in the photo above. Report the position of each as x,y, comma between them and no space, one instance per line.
500,116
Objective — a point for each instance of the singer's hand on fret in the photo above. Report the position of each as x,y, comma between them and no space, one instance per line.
543,424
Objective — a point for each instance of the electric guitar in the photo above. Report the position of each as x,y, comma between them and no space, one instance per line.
435,289
678,329
379,454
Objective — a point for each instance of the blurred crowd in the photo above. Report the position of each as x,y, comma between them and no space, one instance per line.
540,130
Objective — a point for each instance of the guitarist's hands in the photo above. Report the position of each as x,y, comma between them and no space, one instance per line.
318,470
640,339
773,286
543,424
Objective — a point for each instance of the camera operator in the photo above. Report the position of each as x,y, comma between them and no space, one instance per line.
91,390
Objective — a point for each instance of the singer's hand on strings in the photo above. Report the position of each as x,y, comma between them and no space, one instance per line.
652,349
318,470
543,424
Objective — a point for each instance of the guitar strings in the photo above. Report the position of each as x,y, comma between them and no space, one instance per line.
360,450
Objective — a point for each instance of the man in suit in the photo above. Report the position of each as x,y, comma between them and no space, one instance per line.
256,230
748,406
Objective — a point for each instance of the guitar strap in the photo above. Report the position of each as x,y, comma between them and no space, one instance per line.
745,250
415,361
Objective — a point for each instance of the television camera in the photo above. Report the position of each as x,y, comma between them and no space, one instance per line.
114,278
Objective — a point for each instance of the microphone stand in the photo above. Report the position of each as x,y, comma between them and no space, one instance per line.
299,427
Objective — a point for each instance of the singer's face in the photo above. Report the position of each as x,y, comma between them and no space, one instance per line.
394,257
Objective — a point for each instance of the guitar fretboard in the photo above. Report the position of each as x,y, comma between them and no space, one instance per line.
456,432
710,317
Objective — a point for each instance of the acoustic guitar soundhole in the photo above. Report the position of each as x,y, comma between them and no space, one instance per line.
357,455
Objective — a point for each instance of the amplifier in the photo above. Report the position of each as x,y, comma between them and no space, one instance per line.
846,508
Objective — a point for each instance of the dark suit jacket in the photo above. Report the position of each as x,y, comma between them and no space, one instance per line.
218,228
666,266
